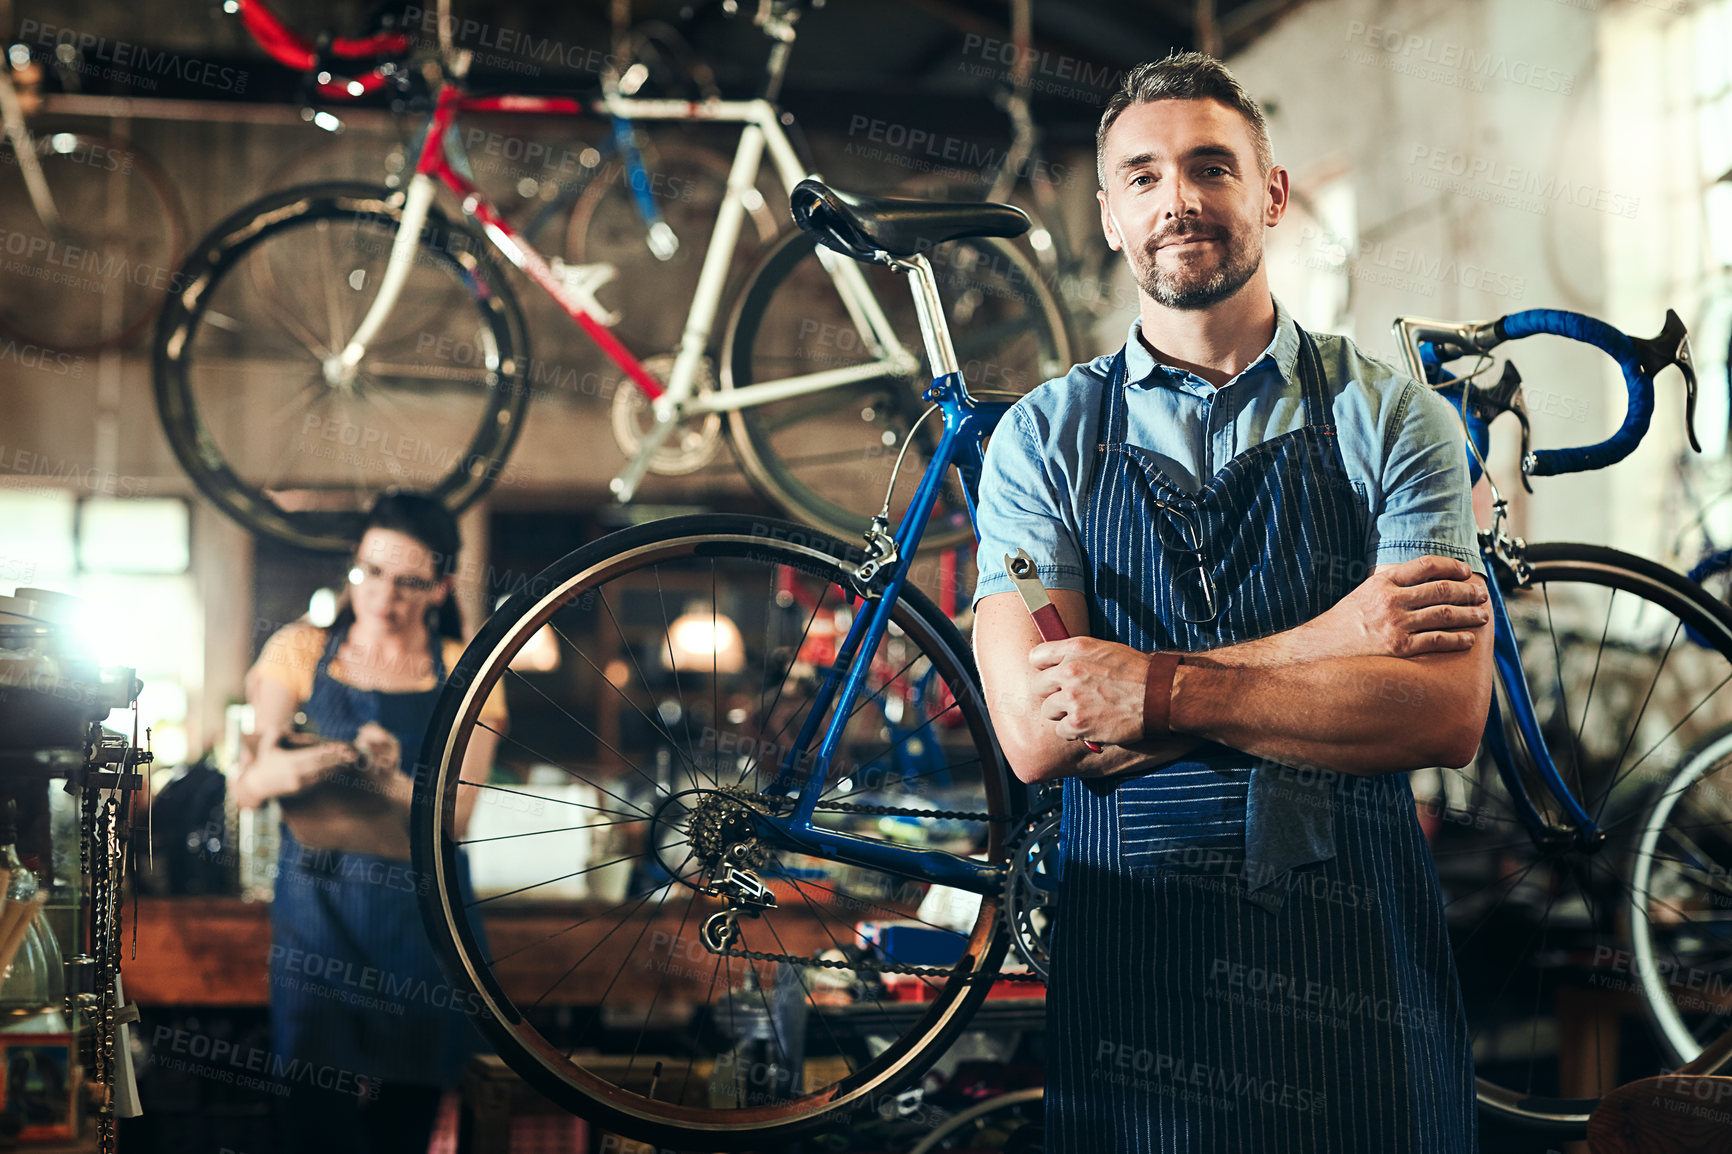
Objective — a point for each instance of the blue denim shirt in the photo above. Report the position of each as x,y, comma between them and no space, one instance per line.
1402,445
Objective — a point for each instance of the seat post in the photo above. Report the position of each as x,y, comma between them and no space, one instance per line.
940,353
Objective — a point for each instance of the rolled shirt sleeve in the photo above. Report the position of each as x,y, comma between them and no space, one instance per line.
1025,503
1427,502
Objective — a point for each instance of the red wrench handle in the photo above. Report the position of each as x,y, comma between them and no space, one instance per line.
1051,626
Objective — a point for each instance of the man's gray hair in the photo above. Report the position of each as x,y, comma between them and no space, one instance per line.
1184,76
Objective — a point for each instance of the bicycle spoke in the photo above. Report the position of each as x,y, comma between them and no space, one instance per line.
674,669
545,760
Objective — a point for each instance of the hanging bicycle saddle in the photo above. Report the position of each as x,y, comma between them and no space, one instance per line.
863,227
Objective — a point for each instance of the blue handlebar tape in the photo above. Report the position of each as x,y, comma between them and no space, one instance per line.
1549,462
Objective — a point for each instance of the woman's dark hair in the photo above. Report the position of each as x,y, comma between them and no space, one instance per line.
428,521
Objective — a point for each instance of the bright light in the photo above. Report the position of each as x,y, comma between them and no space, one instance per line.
134,535
540,654
327,122
231,6
699,641
633,79
1040,240
322,608
356,88
63,143
19,54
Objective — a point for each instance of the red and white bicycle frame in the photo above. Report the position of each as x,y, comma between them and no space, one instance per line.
572,286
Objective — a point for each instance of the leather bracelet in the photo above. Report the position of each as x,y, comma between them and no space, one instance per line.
1158,694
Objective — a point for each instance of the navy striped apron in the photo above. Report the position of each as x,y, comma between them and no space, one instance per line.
1248,957
354,983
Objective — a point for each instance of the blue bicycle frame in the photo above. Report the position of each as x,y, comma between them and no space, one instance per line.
967,423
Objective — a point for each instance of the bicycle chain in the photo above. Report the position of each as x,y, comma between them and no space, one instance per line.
904,811
96,837
878,967
889,967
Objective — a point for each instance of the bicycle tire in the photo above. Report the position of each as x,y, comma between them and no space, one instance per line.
608,606
96,286
1680,866
1552,916
826,458
1078,274
445,427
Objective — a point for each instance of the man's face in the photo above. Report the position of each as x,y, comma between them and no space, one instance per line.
1185,201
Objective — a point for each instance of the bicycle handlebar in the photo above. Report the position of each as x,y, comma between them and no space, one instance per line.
1638,385
1430,344
291,49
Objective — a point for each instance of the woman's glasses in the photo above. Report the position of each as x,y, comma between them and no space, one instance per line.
362,572
1193,589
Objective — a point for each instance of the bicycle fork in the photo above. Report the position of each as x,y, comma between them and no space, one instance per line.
340,367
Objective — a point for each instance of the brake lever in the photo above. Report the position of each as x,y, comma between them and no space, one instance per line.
1672,347
1507,397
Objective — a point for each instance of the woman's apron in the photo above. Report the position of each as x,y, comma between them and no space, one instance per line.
354,984
1248,957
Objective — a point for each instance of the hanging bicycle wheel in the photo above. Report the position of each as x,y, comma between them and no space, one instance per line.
686,183
90,252
1681,904
1535,921
678,667
826,457
247,388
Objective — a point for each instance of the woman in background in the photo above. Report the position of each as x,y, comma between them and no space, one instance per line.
367,1028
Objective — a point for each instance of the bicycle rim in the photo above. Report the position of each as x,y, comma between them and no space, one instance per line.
271,295
1681,904
1620,692
99,279
827,457
708,1048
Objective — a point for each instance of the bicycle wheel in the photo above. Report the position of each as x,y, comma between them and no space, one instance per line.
688,651
272,294
827,457
1681,904
687,183
97,275
1621,692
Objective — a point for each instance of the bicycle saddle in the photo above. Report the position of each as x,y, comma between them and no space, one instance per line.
863,227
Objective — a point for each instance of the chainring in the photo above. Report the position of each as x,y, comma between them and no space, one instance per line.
691,445
1031,888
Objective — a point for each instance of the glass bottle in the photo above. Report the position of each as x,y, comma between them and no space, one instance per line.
33,986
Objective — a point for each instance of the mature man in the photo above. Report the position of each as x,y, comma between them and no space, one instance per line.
1262,544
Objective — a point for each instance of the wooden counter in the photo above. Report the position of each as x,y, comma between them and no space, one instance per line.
200,951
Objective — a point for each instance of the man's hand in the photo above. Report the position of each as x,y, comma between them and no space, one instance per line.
1090,688
1427,605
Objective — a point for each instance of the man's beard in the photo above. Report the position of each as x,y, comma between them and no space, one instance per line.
1194,288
